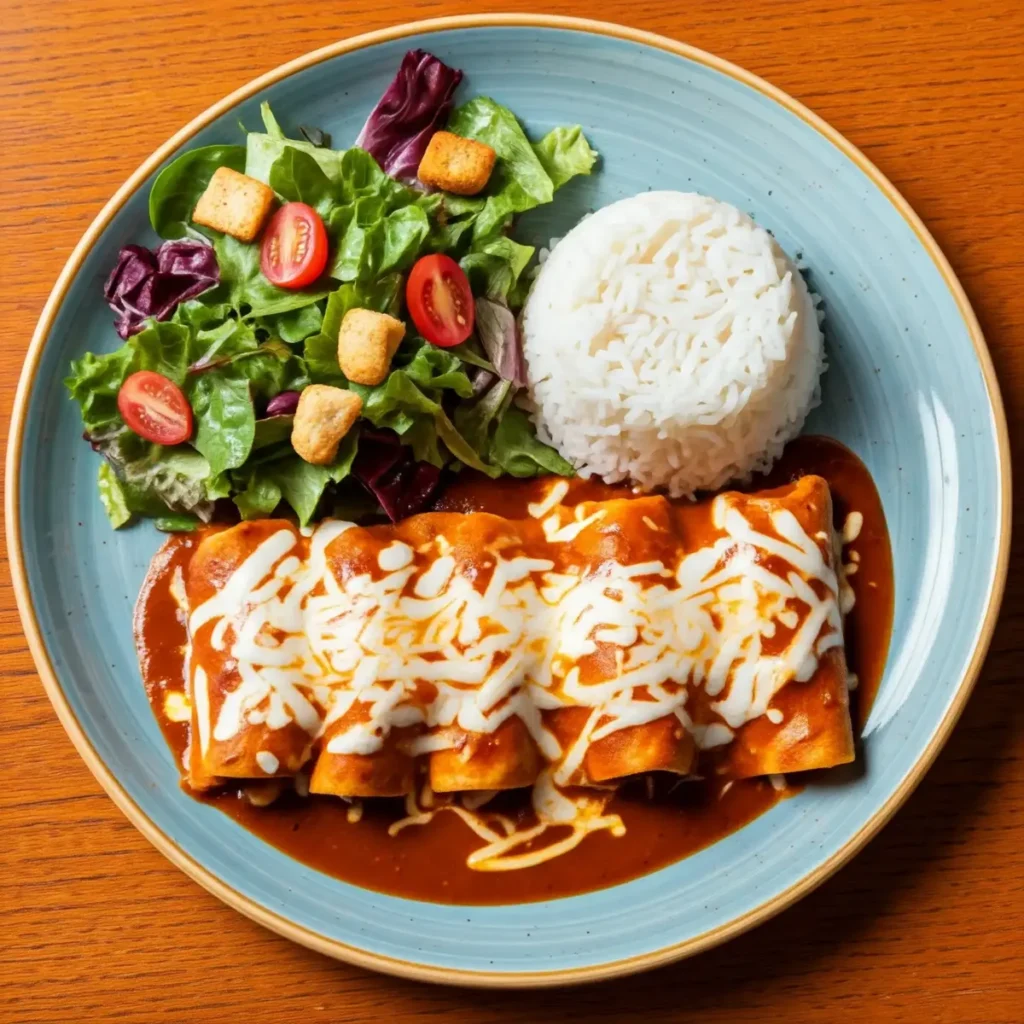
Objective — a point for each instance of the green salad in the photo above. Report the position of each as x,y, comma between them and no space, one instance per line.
284,260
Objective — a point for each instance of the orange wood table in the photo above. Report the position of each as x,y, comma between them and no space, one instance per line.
96,926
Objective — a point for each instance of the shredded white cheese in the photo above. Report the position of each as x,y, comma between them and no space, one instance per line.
345,657
556,492
852,527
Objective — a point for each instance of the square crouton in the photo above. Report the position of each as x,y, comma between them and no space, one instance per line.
235,204
367,341
455,164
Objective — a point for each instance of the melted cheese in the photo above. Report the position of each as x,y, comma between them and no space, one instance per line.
852,527
556,492
317,650
583,813
177,706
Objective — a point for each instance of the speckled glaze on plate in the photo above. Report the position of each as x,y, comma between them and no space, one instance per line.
910,388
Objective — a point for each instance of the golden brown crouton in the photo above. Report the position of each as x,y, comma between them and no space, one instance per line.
324,416
366,343
456,164
235,204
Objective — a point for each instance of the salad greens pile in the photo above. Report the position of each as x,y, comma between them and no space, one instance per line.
242,348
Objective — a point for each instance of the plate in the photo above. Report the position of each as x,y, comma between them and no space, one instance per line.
910,388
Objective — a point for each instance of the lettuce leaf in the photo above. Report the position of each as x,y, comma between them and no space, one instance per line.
502,435
289,478
225,421
293,325
375,225
516,450
409,400
94,382
152,479
248,292
476,419
179,185
367,244
397,403
433,368
202,314
259,497
263,148
521,179
272,430
224,370
495,266
563,153
165,348
113,496
297,178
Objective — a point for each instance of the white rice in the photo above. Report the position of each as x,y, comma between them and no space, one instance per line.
669,341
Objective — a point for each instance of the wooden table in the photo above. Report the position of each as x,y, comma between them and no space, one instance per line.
98,927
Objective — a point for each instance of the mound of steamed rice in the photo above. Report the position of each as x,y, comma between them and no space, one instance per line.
669,341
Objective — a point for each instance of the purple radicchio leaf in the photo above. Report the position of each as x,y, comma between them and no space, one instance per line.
150,283
283,404
414,106
386,467
499,335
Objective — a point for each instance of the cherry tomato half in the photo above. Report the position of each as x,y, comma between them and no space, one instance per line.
155,408
294,248
439,300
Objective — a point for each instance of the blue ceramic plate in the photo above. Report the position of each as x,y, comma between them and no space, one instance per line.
910,388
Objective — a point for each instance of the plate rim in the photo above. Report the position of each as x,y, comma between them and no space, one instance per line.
334,947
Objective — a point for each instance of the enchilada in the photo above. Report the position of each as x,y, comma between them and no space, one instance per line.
616,615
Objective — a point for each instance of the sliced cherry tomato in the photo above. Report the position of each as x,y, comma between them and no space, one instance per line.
294,247
439,300
155,408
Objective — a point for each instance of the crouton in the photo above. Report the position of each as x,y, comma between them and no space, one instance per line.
455,164
235,204
366,343
324,416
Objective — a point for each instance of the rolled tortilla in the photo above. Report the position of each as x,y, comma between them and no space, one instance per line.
606,640
252,717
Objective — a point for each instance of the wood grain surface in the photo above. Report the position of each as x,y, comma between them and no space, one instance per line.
926,925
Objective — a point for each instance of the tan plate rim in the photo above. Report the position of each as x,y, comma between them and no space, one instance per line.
341,950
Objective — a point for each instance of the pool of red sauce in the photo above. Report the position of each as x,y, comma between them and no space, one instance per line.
665,819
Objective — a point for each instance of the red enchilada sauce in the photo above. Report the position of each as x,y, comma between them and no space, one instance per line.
665,819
